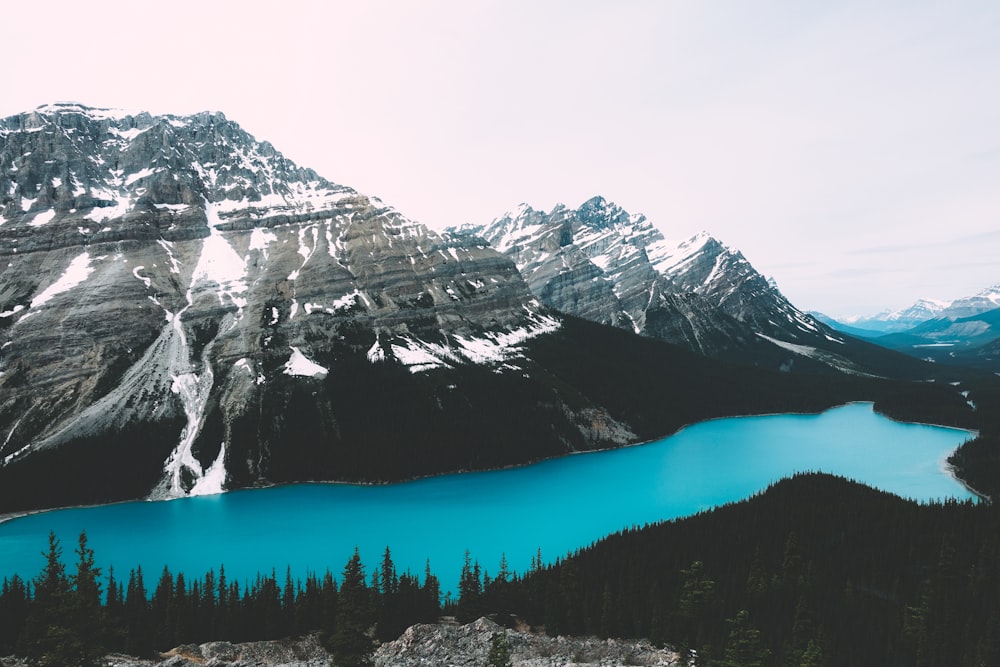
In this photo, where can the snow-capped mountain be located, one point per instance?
(602, 263)
(889, 321)
(174, 270)
(986, 300)
(923, 310)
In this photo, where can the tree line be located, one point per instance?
(72, 618)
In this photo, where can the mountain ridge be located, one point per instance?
(602, 263)
(922, 310)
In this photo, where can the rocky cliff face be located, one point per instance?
(174, 271)
(607, 265)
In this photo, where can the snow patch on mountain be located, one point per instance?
(830, 359)
(302, 366)
(77, 272)
(490, 348)
(213, 482)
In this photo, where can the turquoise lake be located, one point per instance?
(556, 506)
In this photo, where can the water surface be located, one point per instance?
(556, 506)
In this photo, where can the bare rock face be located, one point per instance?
(604, 264)
(469, 645)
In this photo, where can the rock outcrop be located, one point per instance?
(301, 652)
(469, 645)
(441, 645)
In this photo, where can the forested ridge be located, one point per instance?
(814, 571)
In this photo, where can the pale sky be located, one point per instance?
(851, 150)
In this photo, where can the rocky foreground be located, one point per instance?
(444, 644)
(469, 645)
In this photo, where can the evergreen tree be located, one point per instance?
(351, 643)
(696, 596)
(470, 589)
(744, 648)
(86, 614)
(13, 611)
(431, 595)
(499, 655)
(222, 606)
(138, 635)
(48, 639)
(162, 611)
(390, 613)
(390, 580)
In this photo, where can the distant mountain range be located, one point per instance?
(184, 311)
(964, 331)
(892, 321)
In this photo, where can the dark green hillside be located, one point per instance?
(978, 461)
(814, 571)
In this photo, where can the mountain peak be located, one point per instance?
(599, 213)
(156, 268)
(601, 263)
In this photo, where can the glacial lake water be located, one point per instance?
(556, 506)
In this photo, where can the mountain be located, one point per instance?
(604, 264)
(987, 299)
(175, 271)
(838, 325)
(962, 331)
(184, 311)
(890, 321)
(923, 310)
(967, 340)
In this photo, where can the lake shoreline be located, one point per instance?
(947, 468)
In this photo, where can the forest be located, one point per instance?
(813, 571)
(816, 570)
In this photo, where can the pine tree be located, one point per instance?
(390, 614)
(432, 595)
(86, 614)
(390, 581)
(138, 636)
(47, 639)
(13, 611)
(696, 597)
(351, 642)
(470, 590)
(744, 648)
(499, 655)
